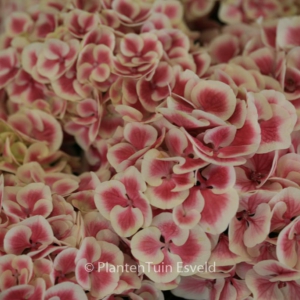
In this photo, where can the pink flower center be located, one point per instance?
(15, 273)
(129, 201)
(256, 177)
(210, 283)
(290, 85)
(281, 284)
(34, 245)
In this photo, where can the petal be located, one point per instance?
(176, 141)
(17, 239)
(277, 270)
(131, 44)
(153, 169)
(65, 261)
(119, 153)
(146, 247)
(104, 282)
(287, 32)
(41, 230)
(64, 187)
(164, 271)
(214, 97)
(259, 226)
(286, 249)
(220, 136)
(126, 220)
(219, 177)
(169, 230)
(192, 287)
(221, 254)
(218, 210)
(82, 275)
(140, 135)
(108, 195)
(66, 291)
(272, 137)
(194, 252)
(29, 195)
(132, 180)
(163, 197)
(89, 250)
(262, 288)
(180, 118)
(223, 48)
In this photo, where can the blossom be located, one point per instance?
(155, 89)
(34, 291)
(100, 282)
(15, 270)
(287, 245)
(139, 55)
(138, 139)
(32, 200)
(9, 64)
(221, 143)
(45, 22)
(256, 171)
(284, 207)
(94, 64)
(286, 33)
(188, 247)
(268, 119)
(141, 141)
(235, 11)
(281, 280)
(18, 23)
(80, 22)
(39, 126)
(31, 235)
(166, 189)
(252, 223)
(24, 88)
(87, 122)
(123, 202)
(57, 57)
(131, 12)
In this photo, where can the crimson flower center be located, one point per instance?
(256, 177)
(281, 284)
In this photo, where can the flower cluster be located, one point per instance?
(141, 141)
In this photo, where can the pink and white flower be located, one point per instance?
(30, 236)
(79, 22)
(15, 270)
(165, 244)
(166, 188)
(252, 223)
(57, 57)
(9, 65)
(32, 200)
(122, 201)
(37, 125)
(138, 56)
(99, 281)
(288, 243)
(94, 64)
(280, 280)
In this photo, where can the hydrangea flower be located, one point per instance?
(141, 140)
